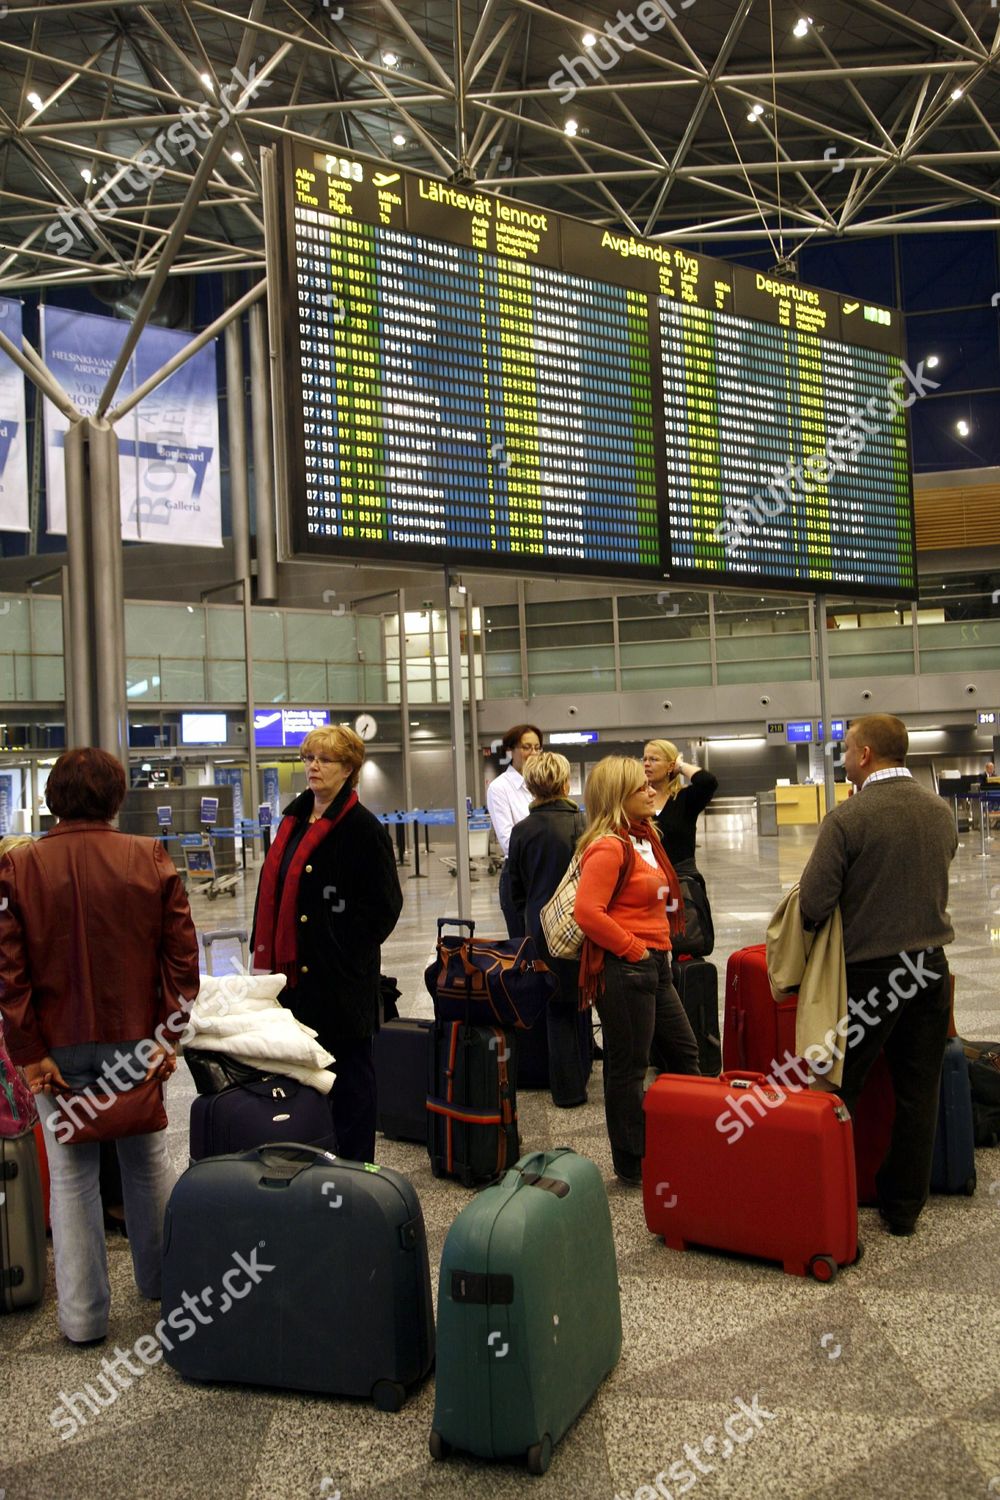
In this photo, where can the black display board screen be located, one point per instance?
(476, 381)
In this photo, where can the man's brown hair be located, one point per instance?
(884, 734)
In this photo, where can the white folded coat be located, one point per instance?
(241, 1015)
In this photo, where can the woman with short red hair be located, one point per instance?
(98, 955)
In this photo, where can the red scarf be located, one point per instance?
(276, 937)
(592, 956)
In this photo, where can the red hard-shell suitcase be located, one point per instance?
(738, 1164)
(758, 1029)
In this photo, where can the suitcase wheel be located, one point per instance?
(969, 1187)
(859, 1253)
(388, 1395)
(823, 1267)
(439, 1446)
(540, 1455)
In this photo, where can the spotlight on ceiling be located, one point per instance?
(957, 93)
(571, 127)
(932, 361)
(398, 139)
(86, 174)
(236, 156)
(962, 427)
(36, 101)
(801, 26)
(206, 80)
(589, 39)
(390, 59)
(755, 113)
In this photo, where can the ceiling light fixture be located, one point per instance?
(390, 59)
(962, 427)
(589, 39)
(755, 113)
(932, 361)
(206, 80)
(36, 101)
(236, 156)
(957, 93)
(801, 26)
(86, 174)
(399, 140)
(571, 127)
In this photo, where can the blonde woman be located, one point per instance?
(627, 903)
(328, 898)
(677, 807)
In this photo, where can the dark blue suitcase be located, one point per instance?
(471, 1102)
(532, 1049)
(251, 1114)
(400, 1055)
(953, 1167)
(315, 1273)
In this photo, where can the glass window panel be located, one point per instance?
(313, 635)
(270, 682)
(376, 688)
(183, 680)
(307, 683)
(171, 625)
(500, 614)
(674, 675)
(594, 681)
(371, 638)
(654, 654)
(7, 677)
(864, 642)
(14, 624)
(501, 640)
(345, 683)
(268, 635)
(567, 610)
(791, 670)
(759, 648)
(46, 625)
(876, 664)
(967, 633)
(503, 687)
(142, 678)
(664, 628)
(225, 633)
(566, 660)
(598, 633)
(227, 682)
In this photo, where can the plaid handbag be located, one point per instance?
(564, 937)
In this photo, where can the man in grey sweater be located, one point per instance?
(883, 857)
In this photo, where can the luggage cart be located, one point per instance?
(481, 856)
(202, 872)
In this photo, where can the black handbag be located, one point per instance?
(214, 1071)
(698, 938)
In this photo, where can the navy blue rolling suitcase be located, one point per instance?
(697, 984)
(251, 1114)
(471, 1102)
(953, 1167)
(315, 1273)
(400, 1053)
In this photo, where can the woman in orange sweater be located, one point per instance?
(627, 902)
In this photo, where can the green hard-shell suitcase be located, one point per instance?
(529, 1316)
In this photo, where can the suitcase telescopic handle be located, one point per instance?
(219, 934)
(456, 922)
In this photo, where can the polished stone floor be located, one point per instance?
(885, 1383)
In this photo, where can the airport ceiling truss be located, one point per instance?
(130, 132)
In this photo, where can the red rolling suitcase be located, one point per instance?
(758, 1030)
(738, 1164)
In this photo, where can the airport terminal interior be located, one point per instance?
(437, 366)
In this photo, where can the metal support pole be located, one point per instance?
(69, 652)
(236, 422)
(97, 595)
(475, 761)
(404, 715)
(263, 456)
(455, 599)
(251, 699)
(823, 662)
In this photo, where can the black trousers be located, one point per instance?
(638, 1003)
(901, 1008)
(511, 915)
(354, 1099)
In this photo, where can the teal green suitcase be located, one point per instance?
(529, 1317)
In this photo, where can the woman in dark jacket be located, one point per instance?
(328, 898)
(98, 966)
(677, 807)
(541, 847)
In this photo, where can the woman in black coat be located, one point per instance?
(328, 898)
(541, 847)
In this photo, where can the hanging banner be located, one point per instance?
(13, 444)
(168, 446)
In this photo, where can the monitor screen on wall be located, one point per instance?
(473, 380)
(203, 729)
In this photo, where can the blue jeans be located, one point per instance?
(82, 1287)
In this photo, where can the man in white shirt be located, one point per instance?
(507, 802)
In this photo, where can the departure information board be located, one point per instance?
(476, 381)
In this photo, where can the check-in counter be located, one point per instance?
(805, 806)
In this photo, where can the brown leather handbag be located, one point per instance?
(100, 1114)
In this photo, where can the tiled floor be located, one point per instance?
(886, 1383)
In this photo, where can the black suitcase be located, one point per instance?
(697, 983)
(22, 1223)
(400, 1053)
(532, 1048)
(252, 1114)
(471, 1102)
(316, 1270)
(953, 1168)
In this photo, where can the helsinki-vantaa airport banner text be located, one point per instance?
(168, 444)
(13, 450)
